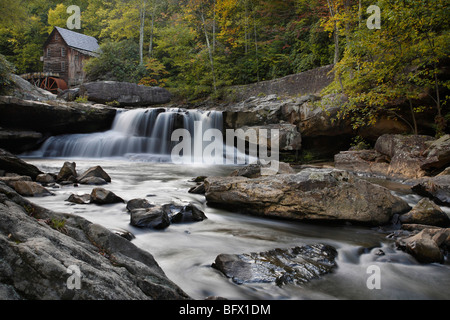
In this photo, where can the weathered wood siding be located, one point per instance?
(62, 59)
(75, 63)
(55, 56)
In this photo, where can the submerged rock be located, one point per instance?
(311, 194)
(79, 199)
(279, 266)
(36, 256)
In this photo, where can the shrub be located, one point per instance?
(6, 68)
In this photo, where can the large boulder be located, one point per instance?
(67, 172)
(312, 194)
(296, 265)
(254, 111)
(426, 212)
(124, 93)
(27, 91)
(10, 180)
(428, 245)
(19, 141)
(102, 196)
(436, 188)
(257, 170)
(54, 117)
(146, 215)
(46, 178)
(30, 189)
(11, 163)
(438, 154)
(289, 139)
(405, 152)
(94, 176)
(370, 161)
(40, 250)
(154, 218)
(179, 213)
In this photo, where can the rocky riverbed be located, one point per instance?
(141, 230)
(266, 257)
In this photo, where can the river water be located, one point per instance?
(186, 251)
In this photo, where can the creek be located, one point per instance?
(135, 153)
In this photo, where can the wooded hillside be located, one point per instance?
(198, 47)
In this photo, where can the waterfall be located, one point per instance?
(139, 134)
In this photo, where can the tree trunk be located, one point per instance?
(413, 116)
(256, 47)
(210, 52)
(141, 33)
(214, 28)
(150, 47)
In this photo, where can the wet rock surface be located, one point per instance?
(79, 199)
(11, 163)
(427, 246)
(312, 194)
(94, 175)
(436, 188)
(38, 246)
(426, 212)
(124, 93)
(146, 215)
(296, 265)
(102, 196)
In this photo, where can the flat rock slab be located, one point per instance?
(296, 265)
(312, 194)
(124, 93)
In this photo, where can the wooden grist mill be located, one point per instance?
(65, 53)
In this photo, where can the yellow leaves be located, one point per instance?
(57, 17)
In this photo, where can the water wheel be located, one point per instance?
(52, 84)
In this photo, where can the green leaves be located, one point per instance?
(383, 70)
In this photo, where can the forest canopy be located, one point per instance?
(197, 47)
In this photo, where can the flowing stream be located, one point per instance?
(186, 251)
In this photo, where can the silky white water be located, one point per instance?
(144, 134)
(186, 251)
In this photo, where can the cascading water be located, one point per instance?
(140, 134)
